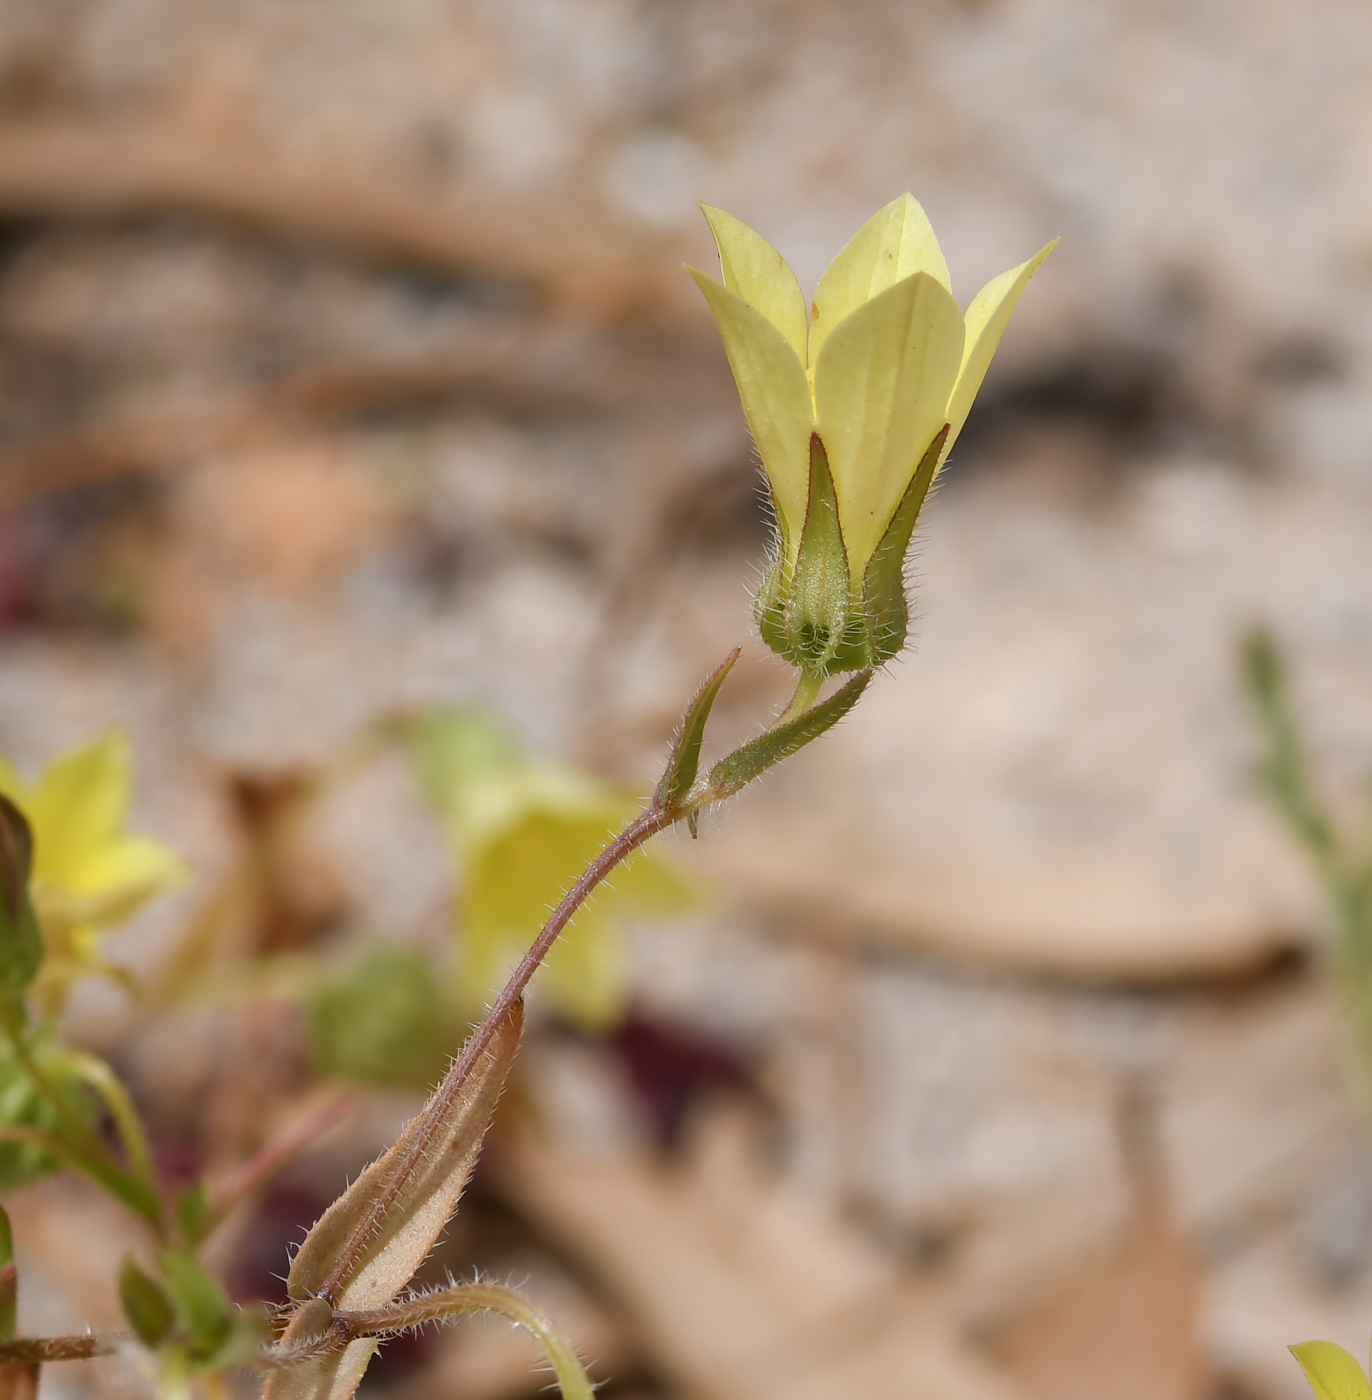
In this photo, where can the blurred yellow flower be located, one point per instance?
(89, 873)
(846, 406)
(524, 829)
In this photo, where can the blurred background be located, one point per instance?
(348, 369)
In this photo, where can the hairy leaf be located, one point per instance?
(374, 1237)
(731, 774)
(146, 1305)
(684, 761)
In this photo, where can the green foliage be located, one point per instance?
(21, 941)
(1333, 1373)
(383, 1021)
(1284, 769)
(146, 1305)
(199, 1304)
(751, 760)
(1341, 857)
(9, 1281)
(193, 1214)
(523, 830)
(683, 763)
(24, 1104)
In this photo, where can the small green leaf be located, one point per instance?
(201, 1307)
(146, 1304)
(23, 1105)
(21, 940)
(736, 771)
(816, 616)
(684, 761)
(1284, 768)
(888, 612)
(769, 607)
(450, 745)
(1333, 1373)
(9, 1281)
(193, 1213)
(383, 1022)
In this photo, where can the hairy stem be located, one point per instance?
(645, 826)
(139, 1197)
(30, 1350)
(806, 693)
(102, 1079)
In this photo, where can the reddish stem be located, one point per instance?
(641, 829)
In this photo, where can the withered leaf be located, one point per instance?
(419, 1193)
(366, 1247)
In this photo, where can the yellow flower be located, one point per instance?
(524, 829)
(854, 409)
(89, 874)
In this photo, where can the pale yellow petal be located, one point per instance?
(78, 805)
(760, 275)
(133, 865)
(987, 318)
(895, 243)
(881, 392)
(776, 399)
(1333, 1373)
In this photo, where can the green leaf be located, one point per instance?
(883, 592)
(816, 616)
(145, 1303)
(736, 771)
(1284, 769)
(769, 607)
(382, 1021)
(684, 760)
(1333, 1373)
(450, 745)
(193, 1213)
(21, 940)
(200, 1305)
(9, 1280)
(23, 1105)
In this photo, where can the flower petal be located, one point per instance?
(987, 318)
(131, 867)
(1332, 1372)
(760, 275)
(78, 806)
(881, 394)
(895, 243)
(776, 400)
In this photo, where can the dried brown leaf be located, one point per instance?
(366, 1247)
(378, 1232)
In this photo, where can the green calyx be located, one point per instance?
(814, 613)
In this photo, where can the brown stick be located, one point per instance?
(27, 1351)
